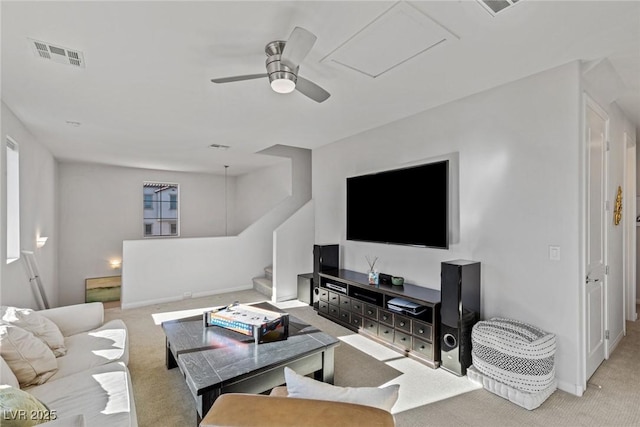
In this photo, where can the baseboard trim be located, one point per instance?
(570, 388)
(222, 291)
(145, 303)
(287, 297)
(615, 342)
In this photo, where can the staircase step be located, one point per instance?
(263, 285)
(268, 272)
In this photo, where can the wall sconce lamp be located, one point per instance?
(40, 241)
(115, 263)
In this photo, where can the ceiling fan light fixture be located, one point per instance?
(282, 78)
(283, 85)
(282, 63)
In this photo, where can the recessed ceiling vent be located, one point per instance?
(58, 54)
(495, 6)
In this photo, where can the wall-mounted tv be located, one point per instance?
(407, 206)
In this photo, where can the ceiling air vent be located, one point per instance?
(58, 54)
(495, 6)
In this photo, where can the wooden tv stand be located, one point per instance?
(347, 298)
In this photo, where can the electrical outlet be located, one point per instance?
(186, 295)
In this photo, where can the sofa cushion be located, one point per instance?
(307, 388)
(30, 359)
(103, 394)
(20, 409)
(106, 344)
(76, 318)
(37, 324)
(7, 377)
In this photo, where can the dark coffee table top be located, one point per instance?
(213, 356)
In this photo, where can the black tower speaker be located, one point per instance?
(459, 311)
(325, 258)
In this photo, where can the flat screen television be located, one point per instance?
(408, 206)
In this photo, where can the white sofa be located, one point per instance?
(92, 384)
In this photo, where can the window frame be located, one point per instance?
(159, 206)
(147, 202)
(12, 169)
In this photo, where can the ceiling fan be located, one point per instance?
(283, 62)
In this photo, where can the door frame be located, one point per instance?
(588, 101)
(629, 207)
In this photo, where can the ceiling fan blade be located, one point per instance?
(311, 90)
(297, 47)
(238, 78)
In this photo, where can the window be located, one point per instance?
(161, 209)
(13, 201)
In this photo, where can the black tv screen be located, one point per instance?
(406, 206)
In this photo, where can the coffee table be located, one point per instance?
(215, 360)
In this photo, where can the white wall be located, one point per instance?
(260, 191)
(164, 269)
(38, 201)
(292, 253)
(299, 180)
(292, 241)
(519, 193)
(100, 206)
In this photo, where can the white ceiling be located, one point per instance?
(145, 98)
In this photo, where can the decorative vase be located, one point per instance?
(373, 274)
(373, 277)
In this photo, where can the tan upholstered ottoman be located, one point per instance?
(245, 410)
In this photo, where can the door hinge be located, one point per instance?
(606, 269)
(608, 146)
(606, 334)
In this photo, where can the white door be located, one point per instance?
(629, 201)
(596, 138)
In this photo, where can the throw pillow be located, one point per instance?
(20, 409)
(30, 359)
(7, 377)
(37, 324)
(307, 388)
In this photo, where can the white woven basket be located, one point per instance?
(514, 353)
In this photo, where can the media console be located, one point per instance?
(347, 298)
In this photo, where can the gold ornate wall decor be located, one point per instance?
(617, 213)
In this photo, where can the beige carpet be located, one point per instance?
(161, 395)
(162, 398)
(611, 399)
